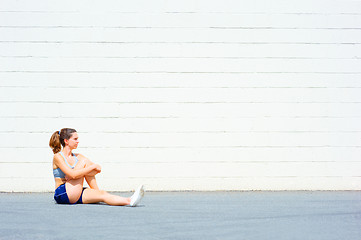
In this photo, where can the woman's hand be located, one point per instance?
(97, 168)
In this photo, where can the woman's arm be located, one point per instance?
(74, 173)
(90, 178)
(88, 163)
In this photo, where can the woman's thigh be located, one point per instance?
(93, 195)
(74, 187)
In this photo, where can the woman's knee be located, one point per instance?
(81, 164)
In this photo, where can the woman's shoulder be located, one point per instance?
(79, 156)
(57, 157)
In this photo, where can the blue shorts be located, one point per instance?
(61, 197)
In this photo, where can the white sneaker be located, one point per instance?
(137, 196)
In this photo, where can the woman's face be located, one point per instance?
(73, 141)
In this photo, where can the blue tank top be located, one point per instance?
(58, 173)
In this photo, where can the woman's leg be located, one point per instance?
(74, 187)
(95, 196)
(90, 179)
(92, 182)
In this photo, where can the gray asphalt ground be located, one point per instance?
(187, 215)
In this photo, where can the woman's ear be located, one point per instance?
(66, 141)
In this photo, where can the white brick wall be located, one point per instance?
(184, 95)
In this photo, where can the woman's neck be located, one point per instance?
(66, 151)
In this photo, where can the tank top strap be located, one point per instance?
(76, 160)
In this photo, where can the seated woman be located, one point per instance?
(71, 169)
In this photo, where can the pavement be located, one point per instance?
(187, 215)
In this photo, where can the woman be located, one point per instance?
(71, 169)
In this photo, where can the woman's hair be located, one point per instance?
(57, 139)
